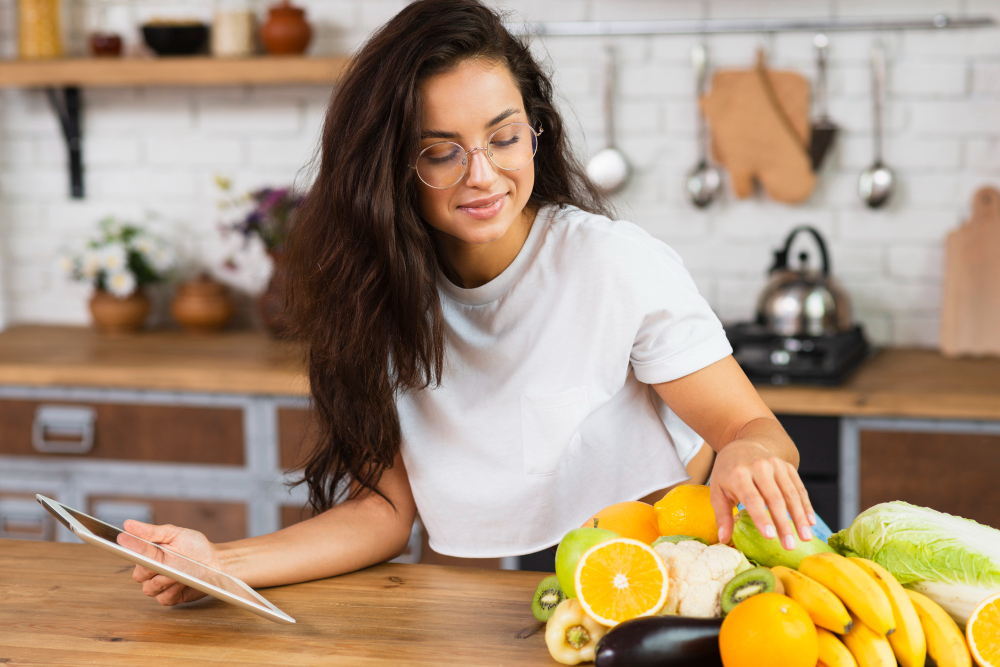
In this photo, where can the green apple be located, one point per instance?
(572, 547)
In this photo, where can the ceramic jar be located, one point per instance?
(114, 316)
(202, 305)
(233, 31)
(286, 31)
(271, 302)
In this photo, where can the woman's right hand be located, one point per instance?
(184, 541)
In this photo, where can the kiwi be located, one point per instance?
(547, 597)
(745, 585)
(678, 538)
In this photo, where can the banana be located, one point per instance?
(832, 651)
(945, 643)
(908, 641)
(869, 648)
(858, 591)
(824, 608)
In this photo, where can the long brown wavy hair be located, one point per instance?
(361, 262)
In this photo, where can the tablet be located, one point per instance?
(163, 561)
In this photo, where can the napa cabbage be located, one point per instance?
(953, 561)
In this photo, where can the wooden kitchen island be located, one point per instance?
(200, 431)
(73, 604)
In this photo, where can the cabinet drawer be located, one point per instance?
(219, 521)
(23, 518)
(134, 432)
(297, 435)
(948, 472)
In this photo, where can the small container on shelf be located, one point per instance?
(102, 40)
(202, 305)
(39, 29)
(233, 30)
(286, 30)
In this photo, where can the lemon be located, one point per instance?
(687, 510)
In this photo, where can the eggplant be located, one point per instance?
(661, 641)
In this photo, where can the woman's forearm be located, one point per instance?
(353, 535)
(769, 434)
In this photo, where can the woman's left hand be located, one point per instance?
(747, 472)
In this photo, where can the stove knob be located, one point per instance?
(780, 357)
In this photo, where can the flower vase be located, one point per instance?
(116, 317)
(271, 302)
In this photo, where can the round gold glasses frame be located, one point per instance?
(465, 155)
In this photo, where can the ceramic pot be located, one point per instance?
(271, 302)
(286, 31)
(114, 316)
(202, 305)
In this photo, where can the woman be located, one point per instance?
(484, 345)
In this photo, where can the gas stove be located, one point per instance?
(768, 358)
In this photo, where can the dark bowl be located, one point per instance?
(176, 40)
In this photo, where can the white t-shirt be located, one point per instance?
(544, 414)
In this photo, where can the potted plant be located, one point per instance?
(120, 262)
(265, 213)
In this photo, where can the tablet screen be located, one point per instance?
(155, 552)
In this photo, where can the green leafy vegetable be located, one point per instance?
(953, 561)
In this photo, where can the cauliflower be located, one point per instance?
(698, 574)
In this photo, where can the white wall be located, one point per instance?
(156, 149)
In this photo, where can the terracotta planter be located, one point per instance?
(114, 316)
(286, 31)
(202, 305)
(271, 303)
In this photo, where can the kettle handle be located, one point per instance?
(781, 256)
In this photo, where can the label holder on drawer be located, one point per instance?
(73, 425)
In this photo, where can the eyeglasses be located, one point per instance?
(509, 148)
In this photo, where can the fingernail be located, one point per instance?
(789, 542)
(769, 532)
(812, 519)
(806, 534)
(720, 536)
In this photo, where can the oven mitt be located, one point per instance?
(760, 130)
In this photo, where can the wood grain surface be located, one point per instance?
(188, 71)
(72, 604)
(970, 307)
(893, 383)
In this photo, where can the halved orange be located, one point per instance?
(621, 579)
(983, 632)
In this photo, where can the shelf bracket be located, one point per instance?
(67, 107)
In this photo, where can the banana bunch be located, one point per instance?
(865, 618)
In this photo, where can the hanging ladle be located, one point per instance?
(608, 168)
(875, 183)
(704, 180)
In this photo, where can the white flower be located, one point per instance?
(67, 266)
(114, 257)
(162, 259)
(144, 244)
(120, 283)
(91, 264)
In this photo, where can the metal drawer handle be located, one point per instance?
(30, 523)
(74, 426)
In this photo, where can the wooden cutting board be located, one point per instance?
(760, 130)
(970, 314)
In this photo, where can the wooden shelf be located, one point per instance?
(176, 71)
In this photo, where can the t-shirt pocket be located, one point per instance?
(548, 424)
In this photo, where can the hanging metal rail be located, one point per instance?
(722, 26)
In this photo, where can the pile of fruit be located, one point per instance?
(642, 585)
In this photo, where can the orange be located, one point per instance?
(687, 510)
(621, 579)
(629, 519)
(983, 632)
(766, 630)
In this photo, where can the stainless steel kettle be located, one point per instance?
(803, 301)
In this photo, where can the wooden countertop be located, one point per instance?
(240, 362)
(72, 604)
(893, 383)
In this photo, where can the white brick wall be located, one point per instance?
(155, 150)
